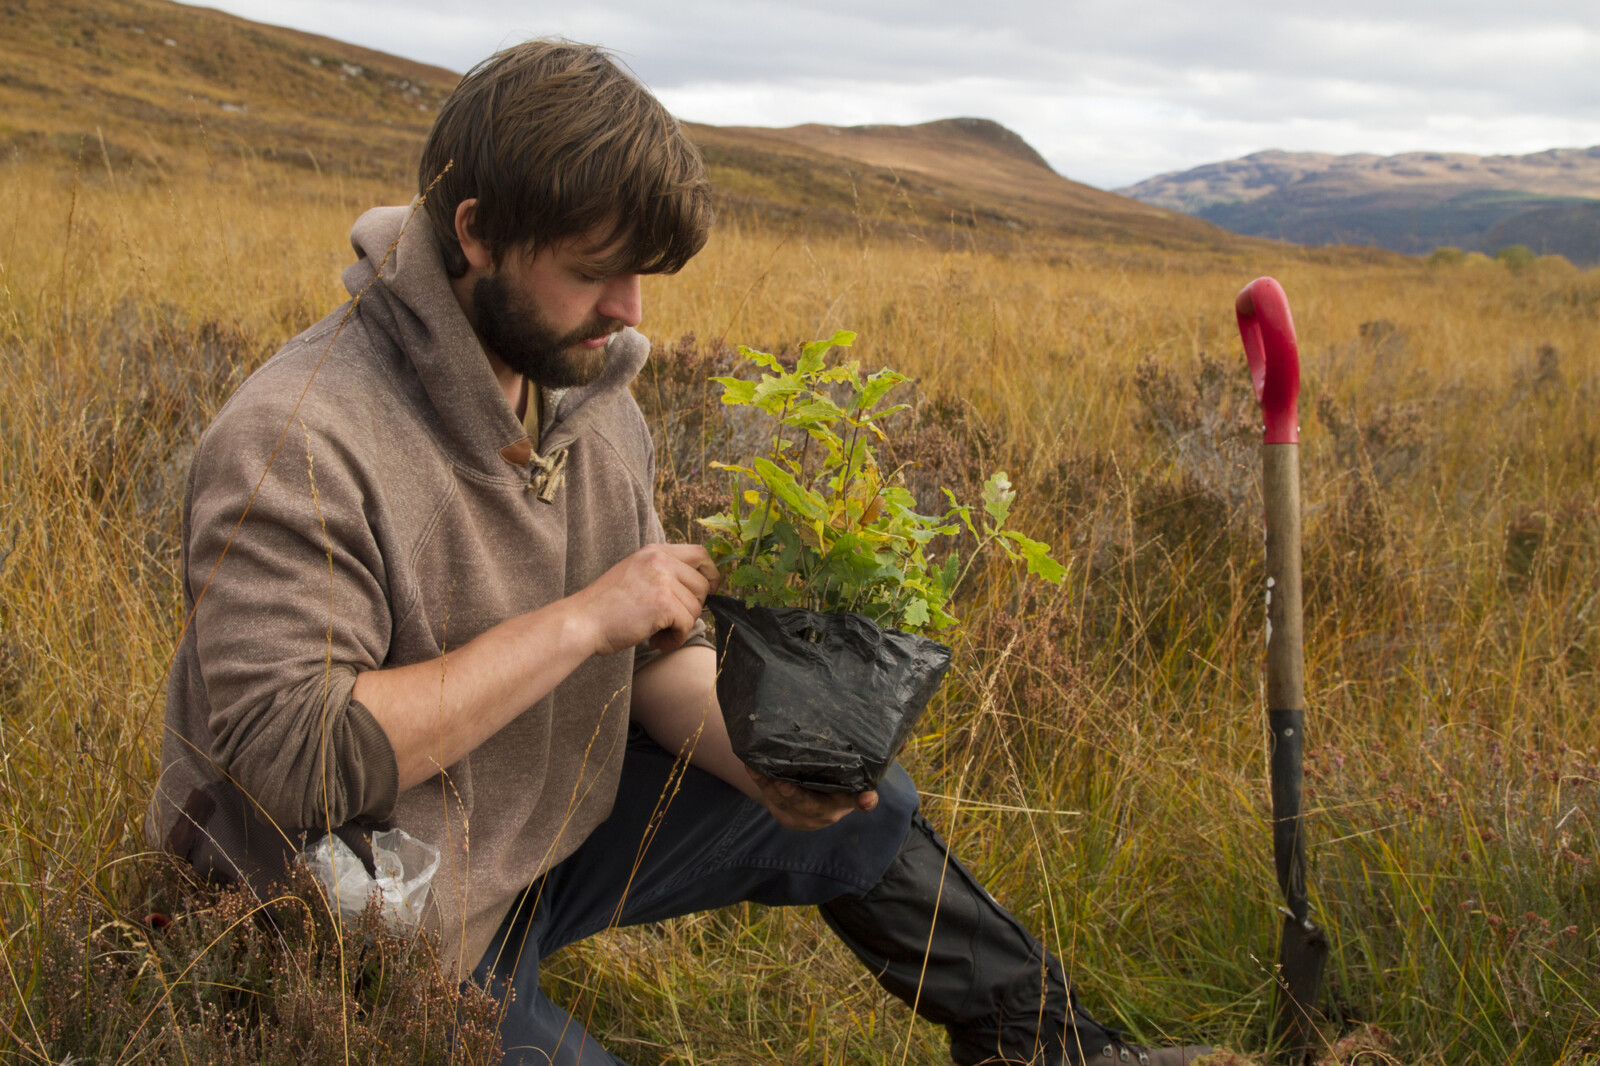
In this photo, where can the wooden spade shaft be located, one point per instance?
(1280, 490)
(1302, 946)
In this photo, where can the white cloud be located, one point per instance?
(1108, 92)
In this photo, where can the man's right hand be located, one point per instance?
(655, 594)
(433, 716)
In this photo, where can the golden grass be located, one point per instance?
(1098, 755)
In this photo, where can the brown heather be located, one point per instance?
(1097, 754)
(219, 977)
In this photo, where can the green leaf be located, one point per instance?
(943, 619)
(814, 412)
(997, 496)
(898, 496)
(853, 560)
(793, 495)
(1038, 557)
(773, 392)
(915, 614)
(812, 355)
(961, 511)
(877, 385)
(736, 391)
(760, 358)
(811, 358)
(758, 523)
(748, 576)
(876, 416)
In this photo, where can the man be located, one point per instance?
(429, 590)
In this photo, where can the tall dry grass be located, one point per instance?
(1098, 755)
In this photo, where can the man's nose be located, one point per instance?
(623, 300)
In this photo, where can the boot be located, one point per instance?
(1118, 1053)
(981, 975)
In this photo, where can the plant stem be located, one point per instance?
(847, 475)
(976, 551)
(777, 436)
(804, 449)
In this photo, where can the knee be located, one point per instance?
(897, 796)
(881, 834)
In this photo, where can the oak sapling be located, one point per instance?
(823, 668)
(816, 523)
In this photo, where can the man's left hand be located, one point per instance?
(797, 807)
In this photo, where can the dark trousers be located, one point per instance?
(680, 840)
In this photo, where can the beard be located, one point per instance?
(523, 341)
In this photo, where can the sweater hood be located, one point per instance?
(399, 284)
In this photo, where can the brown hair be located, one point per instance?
(555, 141)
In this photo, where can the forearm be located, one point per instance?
(675, 702)
(436, 712)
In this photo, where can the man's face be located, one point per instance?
(548, 316)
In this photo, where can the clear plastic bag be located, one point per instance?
(405, 867)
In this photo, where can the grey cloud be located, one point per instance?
(1109, 91)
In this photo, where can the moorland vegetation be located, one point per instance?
(1098, 750)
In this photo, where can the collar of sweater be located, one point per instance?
(399, 284)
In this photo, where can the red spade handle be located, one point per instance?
(1268, 333)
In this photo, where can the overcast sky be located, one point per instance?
(1109, 92)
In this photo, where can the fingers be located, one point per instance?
(687, 566)
(694, 556)
(798, 807)
(695, 577)
(678, 610)
(655, 594)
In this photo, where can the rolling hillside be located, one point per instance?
(145, 77)
(1415, 202)
(955, 174)
(153, 86)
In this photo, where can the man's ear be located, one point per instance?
(478, 254)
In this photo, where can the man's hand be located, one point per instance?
(655, 594)
(796, 807)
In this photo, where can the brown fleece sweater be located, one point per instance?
(369, 499)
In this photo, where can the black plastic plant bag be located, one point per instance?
(823, 700)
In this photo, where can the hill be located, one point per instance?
(962, 174)
(154, 86)
(1415, 202)
(145, 77)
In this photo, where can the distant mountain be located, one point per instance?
(1548, 201)
(940, 180)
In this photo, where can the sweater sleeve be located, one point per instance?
(290, 604)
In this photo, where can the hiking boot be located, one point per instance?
(1116, 1053)
(932, 936)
